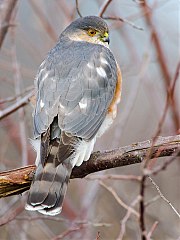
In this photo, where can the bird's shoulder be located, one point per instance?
(72, 51)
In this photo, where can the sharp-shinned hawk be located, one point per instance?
(78, 88)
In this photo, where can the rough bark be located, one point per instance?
(17, 181)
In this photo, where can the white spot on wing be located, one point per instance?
(103, 60)
(101, 72)
(41, 104)
(61, 106)
(83, 104)
(44, 76)
(62, 109)
(90, 65)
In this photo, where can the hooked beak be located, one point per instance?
(105, 38)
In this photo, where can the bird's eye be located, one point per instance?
(92, 32)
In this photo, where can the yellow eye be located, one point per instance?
(92, 32)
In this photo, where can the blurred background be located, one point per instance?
(146, 45)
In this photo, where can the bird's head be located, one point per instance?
(90, 29)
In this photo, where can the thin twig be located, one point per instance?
(104, 8)
(161, 121)
(126, 217)
(114, 177)
(14, 107)
(5, 21)
(162, 60)
(64, 8)
(152, 230)
(142, 209)
(77, 8)
(169, 99)
(11, 99)
(163, 197)
(12, 214)
(43, 217)
(145, 170)
(98, 236)
(43, 19)
(152, 200)
(21, 114)
(64, 220)
(120, 202)
(70, 230)
(10, 126)
(123, 21)
(163, 166)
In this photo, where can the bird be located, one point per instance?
(78, 87)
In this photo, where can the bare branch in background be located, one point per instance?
(65, 9)
(98, 236)
(11, 214)
(18, 180)
(170, 98)
(114, 177)
(161, 59)
(164, 198)
(77, 8)
(126, 217)
(10, 126)
(70, 230)
(170, 94)
(159, 168)
(142, 209)
(44, 21)
(6, 9)
(104, 7)
(149, 235)
(14, 107)
(103, 10)
(123, 20)
(119, 201)
(11, 99)
(18, 82)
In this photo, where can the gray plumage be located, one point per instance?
(68, 81)
(74, 91)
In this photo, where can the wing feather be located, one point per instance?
(78, 90)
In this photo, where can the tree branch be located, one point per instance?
(15, 106)
(77, 9)
(7, 9)
(44, 20)
(123, 20)
(161, 59)
(17, 181)
(104, 7)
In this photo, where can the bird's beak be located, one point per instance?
(106, 37)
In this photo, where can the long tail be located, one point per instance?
(52, 175)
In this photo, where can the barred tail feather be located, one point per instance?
(47, 192)
(58, 155)
(50, 182)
